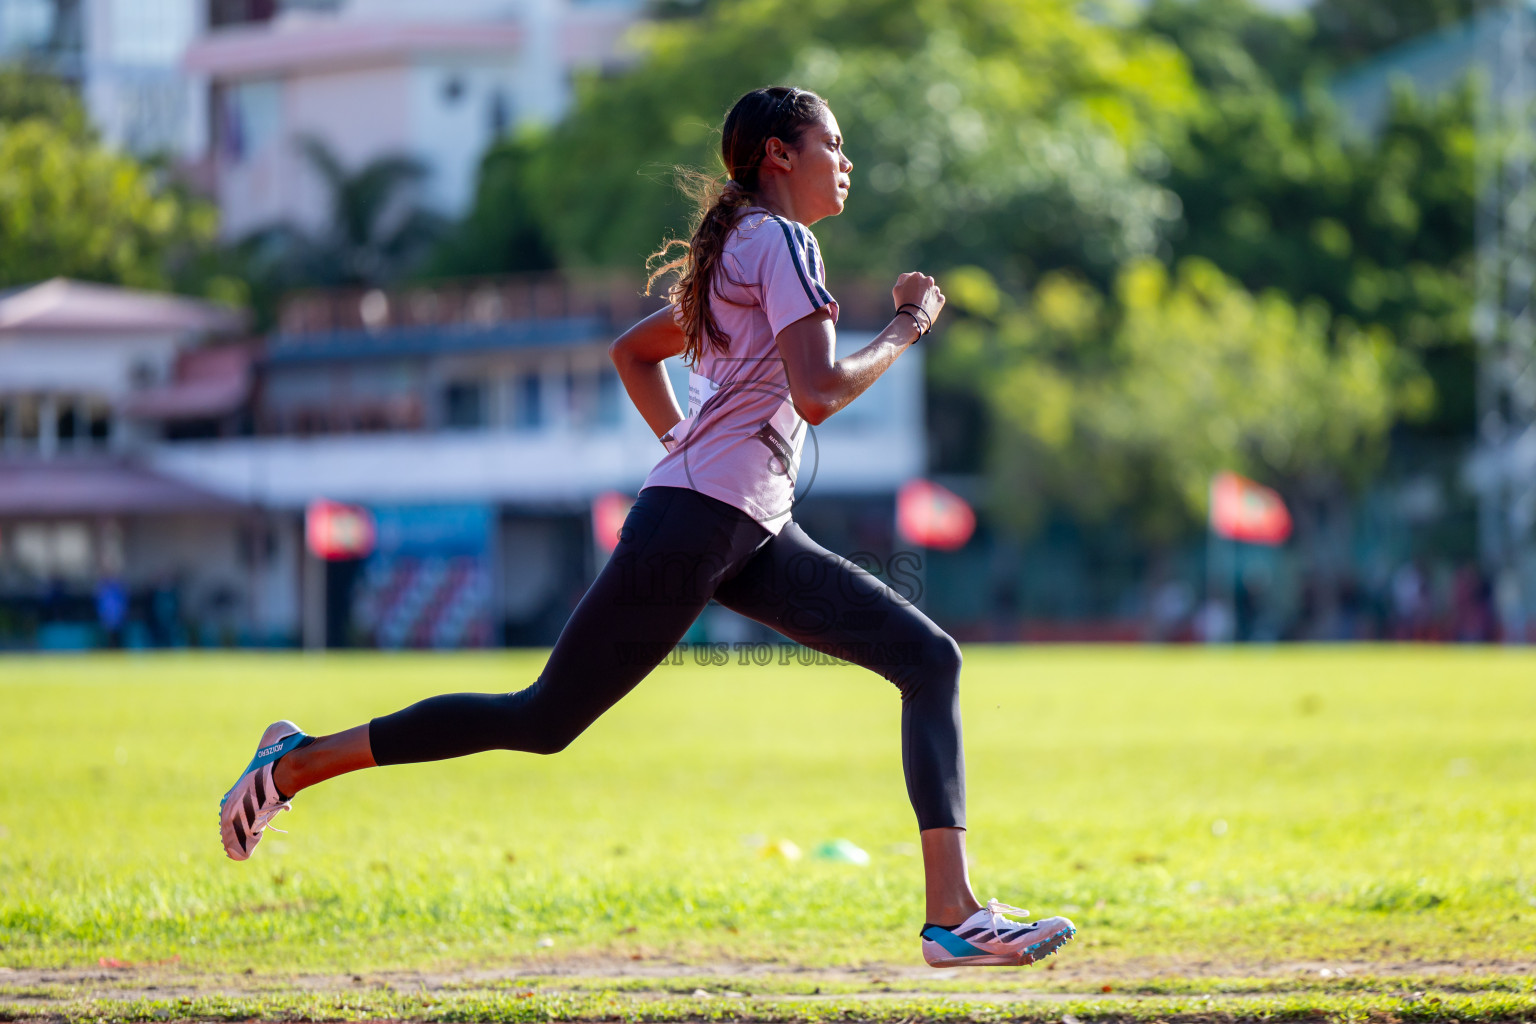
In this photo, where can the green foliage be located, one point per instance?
(1231, 40)
(1008, 134)
(1137, 402)
(1279, 193)
(74, 208)
(1365, 802)
(504, 234)
(1016, 157)
(1379, 228)
(26, 94)
(70, 207)
(1236, 43)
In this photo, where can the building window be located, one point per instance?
(51, 551)
(68, 423)
(25, 25)
(240, 12)
(610, 405)
(593, 398)
(578, 398)
(98, 422)
(78, 421)
(499, 114)
(527, 401)
(20, 420)
(251, 119)
(464, 406)
(150, 32)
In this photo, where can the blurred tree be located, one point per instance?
(504, 234)
(1278, 192)
(1018, 135)
(375, 234)
(1134, 402)
(69, 207)
(25, 94)
(1237, 41)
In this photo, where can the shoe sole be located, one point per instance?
(1039, 951)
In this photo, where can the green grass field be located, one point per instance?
(1199, 813)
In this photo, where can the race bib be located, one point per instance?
(782, 433)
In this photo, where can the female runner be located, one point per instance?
(751, 314)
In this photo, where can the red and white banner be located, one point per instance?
(1246, 511)
(336, 532)
(933, 517)
(609, 511)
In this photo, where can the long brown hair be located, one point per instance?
(762, 114)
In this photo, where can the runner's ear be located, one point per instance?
(776, 155)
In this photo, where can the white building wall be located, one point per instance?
(367, 94)
(132, 83)
(451, 119)
(444, 10)
(229, 575)
(200, 556)
(270, 181)
(100, 365)
(542, 89)
(274, 579)
(359, 113)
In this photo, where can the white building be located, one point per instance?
(438, 81)
(125, 57)
(89, 376)
(228, 86)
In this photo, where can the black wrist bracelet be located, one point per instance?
(915, 322)
(920, 311)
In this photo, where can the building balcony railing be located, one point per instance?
(484, 301)
(616, 299)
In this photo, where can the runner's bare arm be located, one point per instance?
(819, 383)
(638, 354)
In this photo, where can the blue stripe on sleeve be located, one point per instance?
(794, 254)
(813, 260)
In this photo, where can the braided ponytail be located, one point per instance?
(763, 114)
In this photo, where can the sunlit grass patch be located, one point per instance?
(1244, 805)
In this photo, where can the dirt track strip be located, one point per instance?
(1065, 979)
(756, 994)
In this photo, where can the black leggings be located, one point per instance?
(677, 550)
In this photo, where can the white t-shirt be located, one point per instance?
(742, 440)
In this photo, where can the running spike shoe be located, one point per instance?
(248, 808)
(988, 938)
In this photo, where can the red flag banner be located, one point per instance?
(1246, 511)
(335, 531)
(609, 510)
(933, 517)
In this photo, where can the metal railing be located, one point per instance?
(476, 301)
(617, 299)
